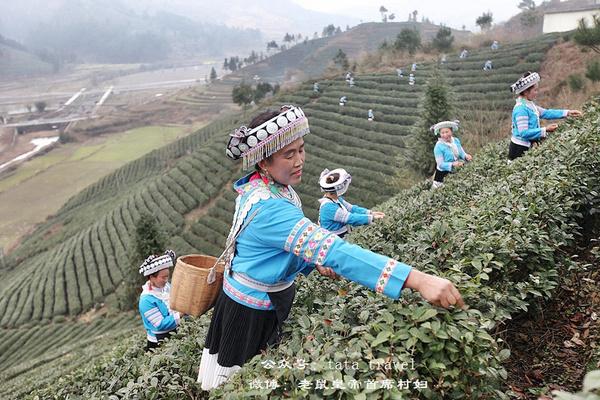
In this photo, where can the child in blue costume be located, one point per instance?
(336, 214)
(448, 152)
(526, 116)
(159, 321)
(271, 242)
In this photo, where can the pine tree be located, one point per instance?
(341, 60)
(149, 239)
(213, 74)
(436, 107)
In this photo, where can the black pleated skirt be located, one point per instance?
(238, 333)
(516, 150)
(440, 175)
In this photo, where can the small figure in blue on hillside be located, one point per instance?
(159, 320)
(336, 214)
(400, 73)
(413, 68)
(348, 76)
(526, 116)
(411, 79)
(370, 115)
(495, 45)
(488, 65)
(343, 101)
(449, 153)
(464, 54)
(316, 87)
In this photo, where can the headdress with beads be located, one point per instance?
(255, 144)
(156, 263)
(525, 82)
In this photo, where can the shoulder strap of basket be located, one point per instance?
(212, 275)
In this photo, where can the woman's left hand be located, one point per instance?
(468, 157)
(574, 113)
(327, 271)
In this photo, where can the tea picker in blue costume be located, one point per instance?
(271, 242)
(526, 116)
(336, 214)
(448, 151)
(159, 321)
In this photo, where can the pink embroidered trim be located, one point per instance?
(290, 239)
(305, 233)
(386, 273)
(325, 249)
(265, 304)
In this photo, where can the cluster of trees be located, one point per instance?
(244, 94)
(331, 30)
(485, 21)
(529, 16)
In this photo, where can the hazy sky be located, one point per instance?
(453, 13)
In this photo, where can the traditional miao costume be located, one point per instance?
(269, 244)
(159, 320)
(526, 118)
(446, 153)
(337, 216)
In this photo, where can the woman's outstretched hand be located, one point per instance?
(328, 272)
(574, 113)
(377, 214)
(438, 291)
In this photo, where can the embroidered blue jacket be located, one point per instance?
(335, 216)
(445, 154)
(526, 121)
(280, 243)
(154, 309)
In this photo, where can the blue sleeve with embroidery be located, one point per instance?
(155, 314)
(521, 121)
(354, 208)
(440, 160)
(552, 114)
(294, 233)
(333, 212)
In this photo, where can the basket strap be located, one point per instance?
(212, 274)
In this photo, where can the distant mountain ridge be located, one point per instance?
(111, 31)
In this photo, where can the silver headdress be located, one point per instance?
(256, 144)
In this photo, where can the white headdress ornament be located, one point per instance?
(341, 184)
(525, 83)
(445, 124)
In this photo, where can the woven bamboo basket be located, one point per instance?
(191, 294)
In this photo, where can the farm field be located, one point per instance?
(65, 171)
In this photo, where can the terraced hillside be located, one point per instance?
(76, 258)
(36, 356)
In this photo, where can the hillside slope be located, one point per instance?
(502, 231)
(77, 258)
(311, 58)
